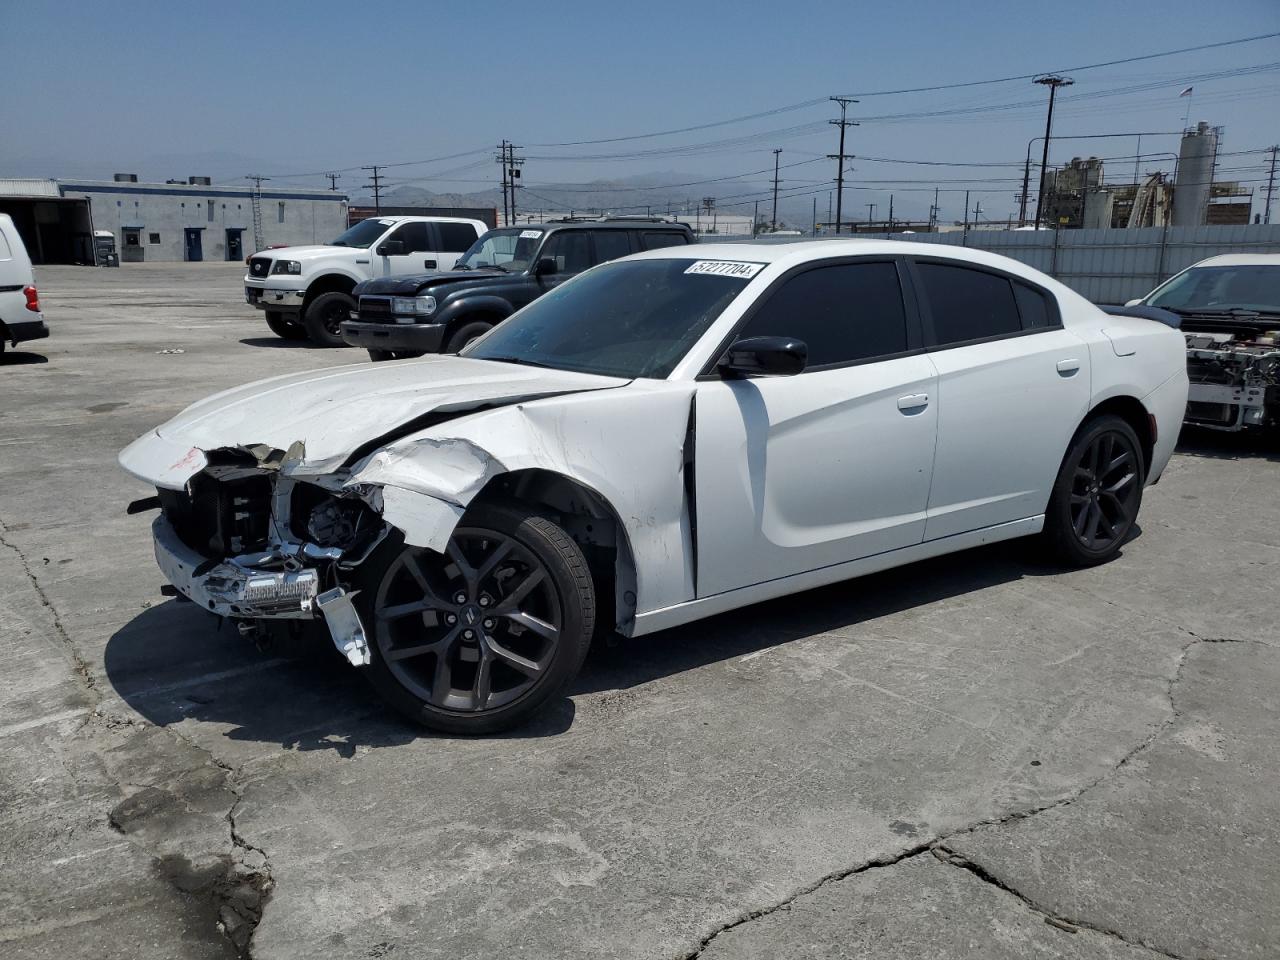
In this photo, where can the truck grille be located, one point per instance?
(375, 309)
(259, 266)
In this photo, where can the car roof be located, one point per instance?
(1241, 260)
(601, 225)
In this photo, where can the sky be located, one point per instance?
(295, 89)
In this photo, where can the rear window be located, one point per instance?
(968, 304)
(456, 237)
(656, 240)
(1034, 307)
(5, 252)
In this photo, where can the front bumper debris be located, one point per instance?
(240, 588)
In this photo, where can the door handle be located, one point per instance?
(429, 264)
(913, 403)
(1068, 368)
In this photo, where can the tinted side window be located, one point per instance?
(611, 244)
(570, 249)
(657, 240)
(846, 312)
(456, 237)
(416, 237)
(1034, 307)
(968, 304)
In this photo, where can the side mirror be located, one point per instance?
(392, 248)
(765, 356)
(545, 267)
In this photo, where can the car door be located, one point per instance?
(570, 250)
(801, 472)
(417, 254)
(1013, 384)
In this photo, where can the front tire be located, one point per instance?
(1097, 494)
(323, 318)
(285, 329)
(465, 334)
(477, 640)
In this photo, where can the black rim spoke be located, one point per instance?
(1103, 489)
(471, 630)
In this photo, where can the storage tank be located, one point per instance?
(1195, 173)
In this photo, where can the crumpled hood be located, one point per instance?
(330, 413)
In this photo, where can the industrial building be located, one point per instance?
(1076, 194)
(190, 219)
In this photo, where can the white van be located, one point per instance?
(20, 317)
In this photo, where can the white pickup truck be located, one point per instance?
(306, 291)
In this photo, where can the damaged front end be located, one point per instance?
(244, 540)
(1234, 369)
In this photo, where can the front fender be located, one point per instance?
(625, 444)
(480, 303)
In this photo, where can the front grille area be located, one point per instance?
(1199, 411)
(259, 266)
(221, 517)
(375, 309)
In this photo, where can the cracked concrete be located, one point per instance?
(986, 758)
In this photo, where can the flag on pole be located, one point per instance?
(1186, 92)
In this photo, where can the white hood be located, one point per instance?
(311, 252)
(321, 416)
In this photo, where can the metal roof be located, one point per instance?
(28, 187)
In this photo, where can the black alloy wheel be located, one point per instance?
(323, 318)
(476, 639)
(1097, 494)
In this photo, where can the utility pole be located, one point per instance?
(773, 222)
(755, 218)
(709, 204)
(513, 174)
(814, 228)
(333, 180)
(966, 213)
(840, 157)
(871, 210)
(933, 211)
(891, 213)
(1053, 82)
(502, 161)
(1271, 183)
(375, 183)
(255, 204)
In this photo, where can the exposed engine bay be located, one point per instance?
(1234, 371)
(288, 546)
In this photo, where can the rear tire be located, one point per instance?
(1096, 497)
(465, 334)
(323, 318)
(285, 329)
(512, 579)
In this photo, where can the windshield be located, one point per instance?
(634, 318)
(511, 249)
(363, 233)
(1220, 289)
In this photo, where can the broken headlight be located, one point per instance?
(328, 521)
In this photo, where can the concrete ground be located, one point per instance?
(979, 757)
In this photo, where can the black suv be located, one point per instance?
(441, 312)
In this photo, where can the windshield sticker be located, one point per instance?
(530, 234)
(726, 268)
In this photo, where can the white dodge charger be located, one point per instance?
(662, 438)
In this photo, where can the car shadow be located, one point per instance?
(1255, 443)
(278, 343)
(19, 358)
(172, 663)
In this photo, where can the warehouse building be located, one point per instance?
(192, 219)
